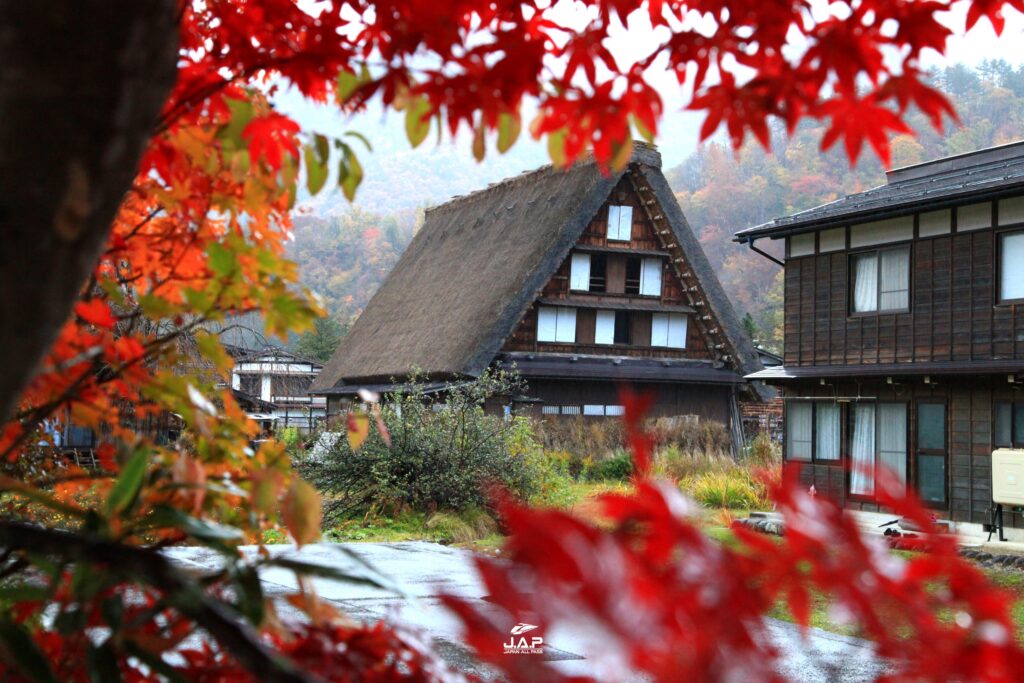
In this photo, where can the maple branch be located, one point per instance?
(157, 571)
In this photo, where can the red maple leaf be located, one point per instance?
(856, 118)
(267, 135)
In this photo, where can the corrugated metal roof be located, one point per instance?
(985, 174)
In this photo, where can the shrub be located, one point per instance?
(735, 488)
(619, 467)
(674, 463)
(763, 452)
(583, 439)
(470, 525)
(690, 436)
(443, 456)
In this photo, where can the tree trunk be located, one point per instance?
(81, 86)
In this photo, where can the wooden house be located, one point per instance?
(277, 382)
(580, 280)
(904, 332)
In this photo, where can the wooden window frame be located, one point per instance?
(944, 452)
(873, 498)
(814, 459)
(907, 245)
(1013, 424)
(997, 250)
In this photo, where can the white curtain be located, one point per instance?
(798, 431)
(865, 278)
(895, 284)
(826, 432)
(892, 438)
(1011, 266)
(862, 473)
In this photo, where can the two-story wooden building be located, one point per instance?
(579, 279)
(904, 331)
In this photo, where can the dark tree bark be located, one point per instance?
(81, 87)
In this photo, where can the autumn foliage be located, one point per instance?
(200, 236)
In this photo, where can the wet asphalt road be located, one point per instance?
(425, 570)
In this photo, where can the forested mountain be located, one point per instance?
(346, 255)
(722, 192)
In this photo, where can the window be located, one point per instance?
(593, 410)
(812, 431)
(623, 328)
(650, 277)
(669, 329)
(604, 328)
(931, 452)
(249, 384)
(620, 223)
(598, 273)
(556, 324)
(1009, 427)
(1011, 270)
(879, 440)
(881, 280)
(549, 410)
(634, 273)
(579, 274)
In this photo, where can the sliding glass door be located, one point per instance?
(878, 439)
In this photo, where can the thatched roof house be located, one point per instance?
(489, 274)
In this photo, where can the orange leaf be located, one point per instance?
(302, 512)
(357, 425)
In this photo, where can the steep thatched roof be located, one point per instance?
(479, 261)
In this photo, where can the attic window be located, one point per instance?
(620, 223)
(556, 324)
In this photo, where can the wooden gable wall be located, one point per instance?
(644, 243)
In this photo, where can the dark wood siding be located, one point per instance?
(953, 314)
(708, 401)
(969, 439)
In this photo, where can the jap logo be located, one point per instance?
(519, 644)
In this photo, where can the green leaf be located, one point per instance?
(128, 484)
(479, 148)
(220, 259)
(556, 147)
(316, 170)
(230, 135)
(164, 516)
(362, 138)
(250, 594)
(155, 307)
(351, 174)
(417, 121)
(24, 653)
(349, 82)
(102, 663)
(361, 575)
(642, 130)
(509, 127)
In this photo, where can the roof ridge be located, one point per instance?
(642, 151)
